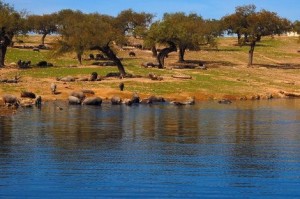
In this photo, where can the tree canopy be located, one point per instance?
(254, 25)
(81, 32)
(296, 26)
(43, 24)
(177, 30)
(131, 22)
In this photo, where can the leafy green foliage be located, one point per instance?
(42, 24)
(133, 23)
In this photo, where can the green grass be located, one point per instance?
(223, 79)
(14, 55)
(64, 71)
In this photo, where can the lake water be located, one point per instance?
(242, 150)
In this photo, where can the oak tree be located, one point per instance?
(176, 30)
(80, 32)
(253, 25)
(43, 24)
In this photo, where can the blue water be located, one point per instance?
(242, 150)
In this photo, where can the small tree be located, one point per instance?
(43, 24)
(254, 25)
(81, 32)
(11, 23)
(264, 23)
(72, 25)
(212, 28)
(103, 40)
(177, 31)
(296, 26)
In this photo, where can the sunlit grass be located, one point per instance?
(223, 75)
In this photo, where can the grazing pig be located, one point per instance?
(53, 88)
(27, 94)
(154, 99)
(132, 54)
(92, 57)
(96, 101)
(224, 101)
(121, 86)
(38, 101)
(79, 94)
(135, 98)
(10, 100)
(116, 100)
(74, 100)
(93, 76)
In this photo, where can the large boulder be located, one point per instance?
(95, 101)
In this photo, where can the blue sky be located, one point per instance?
(206, 8)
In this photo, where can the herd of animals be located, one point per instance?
(81, 98)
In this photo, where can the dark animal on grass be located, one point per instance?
(94, 76)
(121, 86)
(99, 57)
(27, 94)
(92, 57)
(38, 101)
(132, 54)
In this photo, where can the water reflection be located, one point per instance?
(158, 151)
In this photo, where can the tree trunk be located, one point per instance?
(251, 52)
(258, 38)
(5, 40)
(154, 51)
(43, 38)
(239, 37)
(2, 56)
(79, 58)
(112, 56)
(164, 52)
(246, 37)
(181, 53)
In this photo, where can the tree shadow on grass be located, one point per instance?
(211, 64)
(286, 66)
(223, 50)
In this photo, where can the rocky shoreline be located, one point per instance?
(10, 103)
